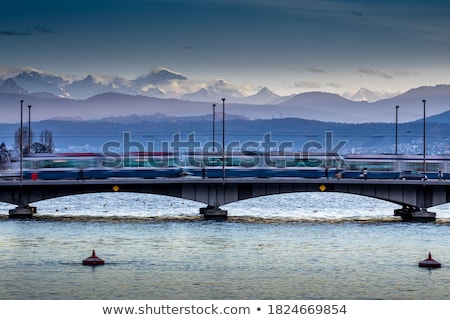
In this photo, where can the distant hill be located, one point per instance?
(439, 118)
(332, 107)
(320, 106)
(159, 129)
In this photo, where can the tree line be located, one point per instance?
(45, 144)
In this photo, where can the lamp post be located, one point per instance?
(21, 141)
(424, 137)
(29, 129)
(223, 138)
(214, 127)
(396, 128)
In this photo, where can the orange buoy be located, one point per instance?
(429, 262)
(93, 260)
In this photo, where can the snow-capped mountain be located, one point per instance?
(10, 86)
(159, 83)
(158, 76)
(35, 82)
(215, 92)
(91, 86)
(265, 96)
(151, 84)
(367, 95)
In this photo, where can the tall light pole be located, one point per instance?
(29, 129)
(223, 138)
(214, 127)
(21, 141)
(396, 128)
(424, 137)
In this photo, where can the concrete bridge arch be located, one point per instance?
(413, 196)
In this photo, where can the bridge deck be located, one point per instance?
(221, 181)
(216, 191)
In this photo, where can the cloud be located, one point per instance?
(37, 29)
(315, 70)
(356, 13)
(308, 84)
(8, 71)
(188, 47)
(386, 75)
(42, 29)
(14, 33)
(402, 73)
(375, 73)
(335, 85)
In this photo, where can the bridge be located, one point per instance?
(414, 197)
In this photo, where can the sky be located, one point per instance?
(289, 46)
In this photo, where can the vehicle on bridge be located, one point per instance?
(253, 164)
(412, 175)
(261, 165)
(388, 166)
(147, 165)
(97, 166)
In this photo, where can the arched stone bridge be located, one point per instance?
(414, 196)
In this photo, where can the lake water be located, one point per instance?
(291, 246)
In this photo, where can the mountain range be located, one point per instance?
(158, 83)
(169, 93)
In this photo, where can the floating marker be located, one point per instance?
(429, 262)
(93, 260)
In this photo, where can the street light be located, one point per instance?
(223, 138)
(424, 137)
(396, 128)
(21, 141)
(214, 127)
(29, 129)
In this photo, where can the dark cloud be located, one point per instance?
(402, 73)
(36, 29)
(315, 70)
(357, 13)
(189, 47)
(386, 75)
(375, 73)
(14, 33)
(308, 84)
(335, 85)
(42, 29)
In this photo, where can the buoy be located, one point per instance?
(429, 262)
(93, 260)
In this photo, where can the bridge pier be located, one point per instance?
(411, 213)
(214, 213)
(22, 212)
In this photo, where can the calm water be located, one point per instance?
(293, 246)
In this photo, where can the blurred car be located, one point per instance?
(412, 175)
